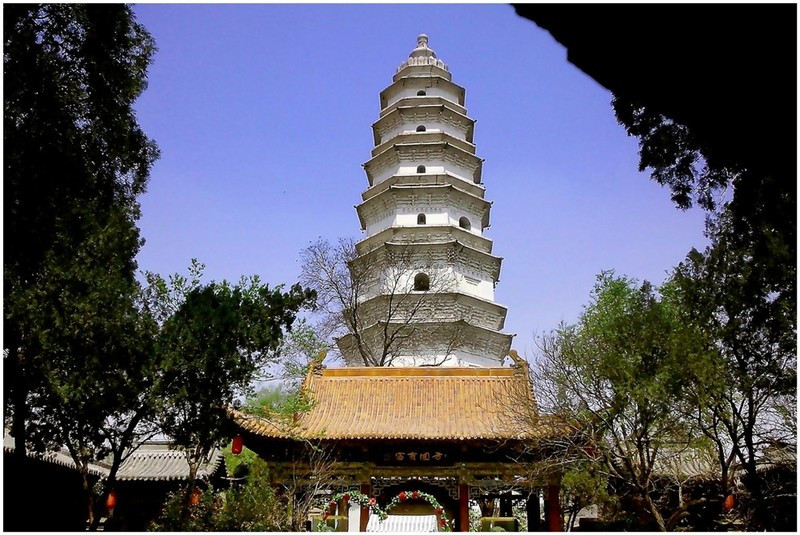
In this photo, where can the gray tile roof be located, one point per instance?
(60, 458)
(152, 461)
(164, 464)
(688, 463)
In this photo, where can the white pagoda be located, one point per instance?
(425, 269)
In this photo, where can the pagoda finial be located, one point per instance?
(422, 55)
(422, 50)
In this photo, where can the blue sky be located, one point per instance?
(263, 116)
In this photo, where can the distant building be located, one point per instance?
(50, 496)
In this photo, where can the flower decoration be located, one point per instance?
(442, 520)
(372, 504)
(353, 496)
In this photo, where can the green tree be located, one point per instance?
(614, 380)
(740, 293)
(762, 209)
(213, 341)
(75, 162)
(745, 309)
(249, 506)
(302, 347)
(583, 484)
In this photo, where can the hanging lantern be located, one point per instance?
(729, 502)
(236, 447)
(111, 500)
(196, 495)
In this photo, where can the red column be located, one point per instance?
(554, 520)
(463, 507)
(366, 490)
(344, 510)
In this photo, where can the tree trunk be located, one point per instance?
(19, 383)
(682, 513)
(117, 453)
(760, 516)
(651, 507)
(573, 513)
(187, 497)
(92, 518)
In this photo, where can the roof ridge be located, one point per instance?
(417, 371)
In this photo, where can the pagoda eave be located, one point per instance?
(424, 234)
(425, 100)
(425, 180)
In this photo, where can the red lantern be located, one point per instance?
(729, 502)
(196, 495)
(236, 447)
(111, 500)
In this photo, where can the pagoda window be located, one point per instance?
(420, 169)
(421, 93)
(464, 223)
(422, 283)
(421, 219)
(421, 128)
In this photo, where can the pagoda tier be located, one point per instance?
(420, 84)
(447, 265)
(433, 307)
(426, 153)
(404, 205)
(427, 294)
(431, 343)
(437, 115)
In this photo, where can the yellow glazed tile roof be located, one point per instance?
(423, 403)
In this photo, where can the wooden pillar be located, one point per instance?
(533, 511)
(343, 511)
(366, 490)
(463, 507)
(505, 505)
(554, 520)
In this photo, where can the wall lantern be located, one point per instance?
(111, 500)
(236, 447)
